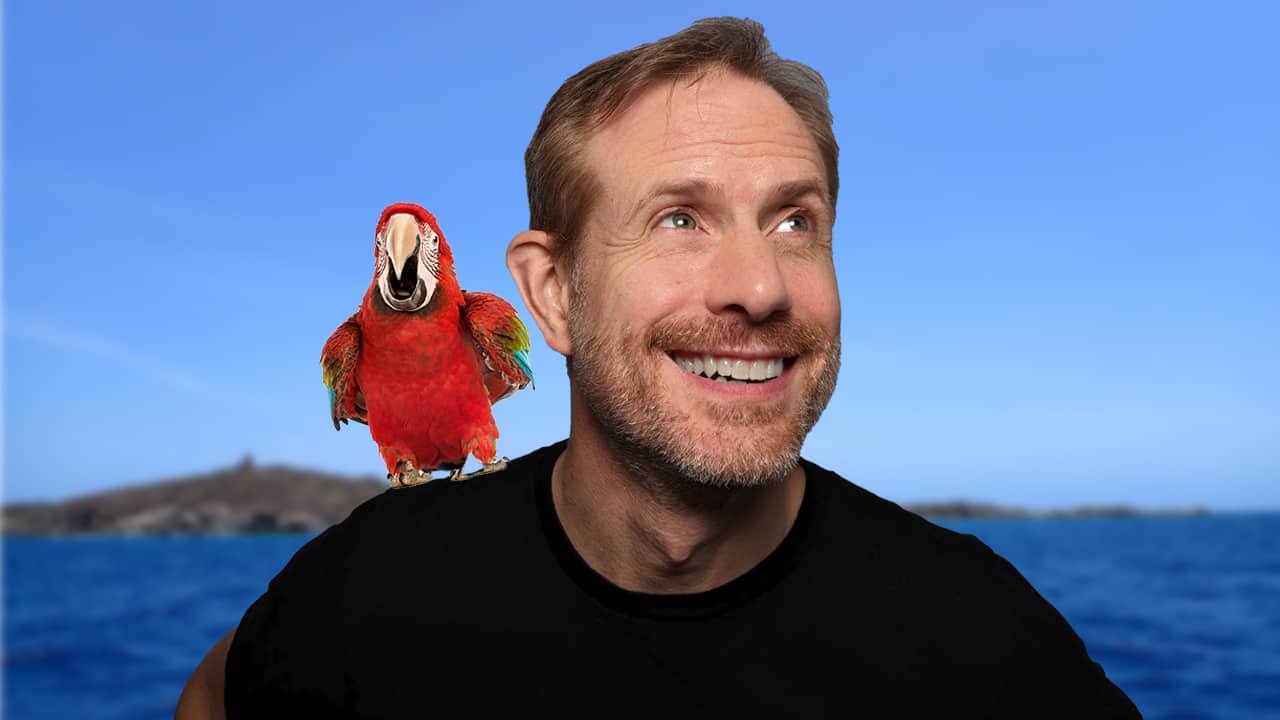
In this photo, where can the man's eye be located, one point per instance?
(795, 223)
(679, 221)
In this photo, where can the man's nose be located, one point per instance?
(744, 277)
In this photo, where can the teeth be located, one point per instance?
(732, 369)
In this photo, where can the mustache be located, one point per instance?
(784, 334)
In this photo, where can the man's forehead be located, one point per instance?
(719, 106)
(672, 134)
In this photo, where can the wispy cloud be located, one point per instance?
(124, 196)
(21, 326)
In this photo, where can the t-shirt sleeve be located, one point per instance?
(286, 659)
(1050, 672)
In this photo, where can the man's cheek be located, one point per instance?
(666, 286)
(814, 293)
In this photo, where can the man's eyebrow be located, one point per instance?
(680, 188)
(796, 189)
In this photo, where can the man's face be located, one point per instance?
(709, 247)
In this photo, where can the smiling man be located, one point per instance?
(674, 555)
(699, 310)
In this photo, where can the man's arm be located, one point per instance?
(202, 698)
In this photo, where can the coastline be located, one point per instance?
(247, 499)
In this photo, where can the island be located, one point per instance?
(249, 498)
(244, 498)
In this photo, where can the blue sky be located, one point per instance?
(1058, 240)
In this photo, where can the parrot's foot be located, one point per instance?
(408, 477)
(492, 467)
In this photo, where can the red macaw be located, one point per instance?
(422, 361)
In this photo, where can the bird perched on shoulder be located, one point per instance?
(422, 361)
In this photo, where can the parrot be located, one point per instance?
(422, 361)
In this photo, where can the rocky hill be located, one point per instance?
(965, 510)
(244, 498)
(249, 498)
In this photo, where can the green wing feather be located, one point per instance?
(338, 370)
(503, 343)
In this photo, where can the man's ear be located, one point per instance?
(543, 286)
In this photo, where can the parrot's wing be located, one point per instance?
(503, 343)
(338, 368)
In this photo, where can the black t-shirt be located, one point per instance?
(459, 599)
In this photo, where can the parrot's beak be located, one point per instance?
(402, 254)
(402, 286)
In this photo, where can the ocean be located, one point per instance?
(1184, 613)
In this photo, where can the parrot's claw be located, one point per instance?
(408, 477)
(495, 466)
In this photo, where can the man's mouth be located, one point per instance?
(739, 371)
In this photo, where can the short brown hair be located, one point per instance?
(562, 189)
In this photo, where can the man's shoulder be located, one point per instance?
(867, 517)
(916, 561)
(494, 491)
(420, 515)
(953, 600)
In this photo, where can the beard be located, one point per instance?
(731, 445)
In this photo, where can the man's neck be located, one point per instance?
(667, 535)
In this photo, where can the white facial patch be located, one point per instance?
(408, 263)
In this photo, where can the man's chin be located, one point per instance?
(747, 457)
(733, 473)
(664, 430)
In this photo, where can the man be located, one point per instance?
(674, 556)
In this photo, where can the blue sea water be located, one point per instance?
(1184, 613)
